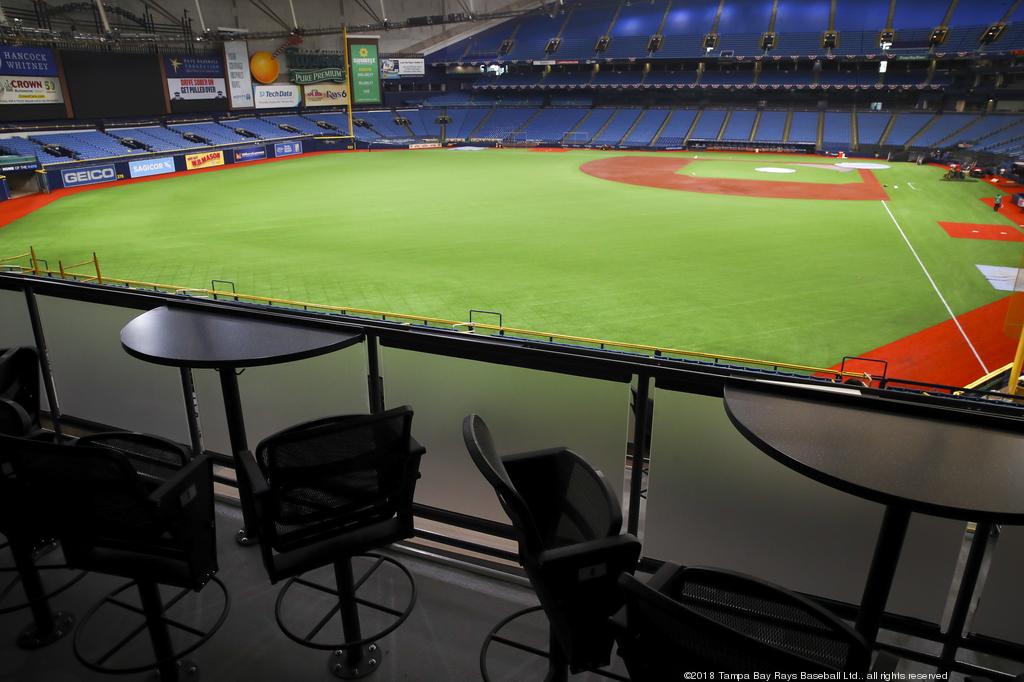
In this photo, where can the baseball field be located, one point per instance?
(799, 259)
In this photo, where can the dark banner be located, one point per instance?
(107, 84)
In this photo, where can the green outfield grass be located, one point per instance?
(529, 234)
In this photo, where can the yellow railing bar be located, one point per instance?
(990, 376)
(18, 257)
(78, 265)
(453, 324)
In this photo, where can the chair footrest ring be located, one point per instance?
(399, 615)
(99, 663)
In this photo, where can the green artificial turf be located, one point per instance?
(529, 234)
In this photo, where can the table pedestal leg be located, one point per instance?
(964, 595)
(883, 569)
(248, 535)
(195, 432)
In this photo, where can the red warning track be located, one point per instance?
(940, 355)
(650, 171)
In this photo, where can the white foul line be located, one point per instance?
(935, 286)
(912, 186)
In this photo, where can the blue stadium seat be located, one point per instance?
(617, 127)
(589, 126)
(87, 144)
(503, 123)
(20, 146)
(803, 127)
(212, 132)
(676, 128)
(838, 132)
(943, 127)
(740, 125)
(905, 127)
(157, 138)
(551, 125)
(870, 126)
(646, 128)
(301, 123)
(709, 125)
(771, 127)
(259, 127)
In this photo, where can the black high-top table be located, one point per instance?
(193, 338)
(938, 462)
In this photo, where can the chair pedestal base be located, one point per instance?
(34, 637)
(366, 661)
(188, 671)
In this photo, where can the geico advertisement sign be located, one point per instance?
(206, 160)
(74, 177)
(276, 96)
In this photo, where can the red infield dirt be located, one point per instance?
(940, 355)
(650, 171)
(999, 233)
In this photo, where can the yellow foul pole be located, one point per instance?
(348, 81)
(1018, 362)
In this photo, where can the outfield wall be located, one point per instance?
(102, 171)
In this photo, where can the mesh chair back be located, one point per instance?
(554, 498)
(337, 474)
(715, 620)
(106, 516)
(93, 494)
(569, 500)
(154, 459)
(19, 390)
(480, 445)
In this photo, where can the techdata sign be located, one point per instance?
(191, 78)
(287, 148)
(76, 177)
(236, 59)
(27, 61)
(250, 154)
(147, 167)
(277, 96)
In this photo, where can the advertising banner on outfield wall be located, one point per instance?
(76, 177)
(277, 96)
(30, 90)
(287, 148)
(402, 68)
(365, 72)
(145, 167)
(250, 154)
(195, 77)
(325, 95)
(236, 59)
(204, 160)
